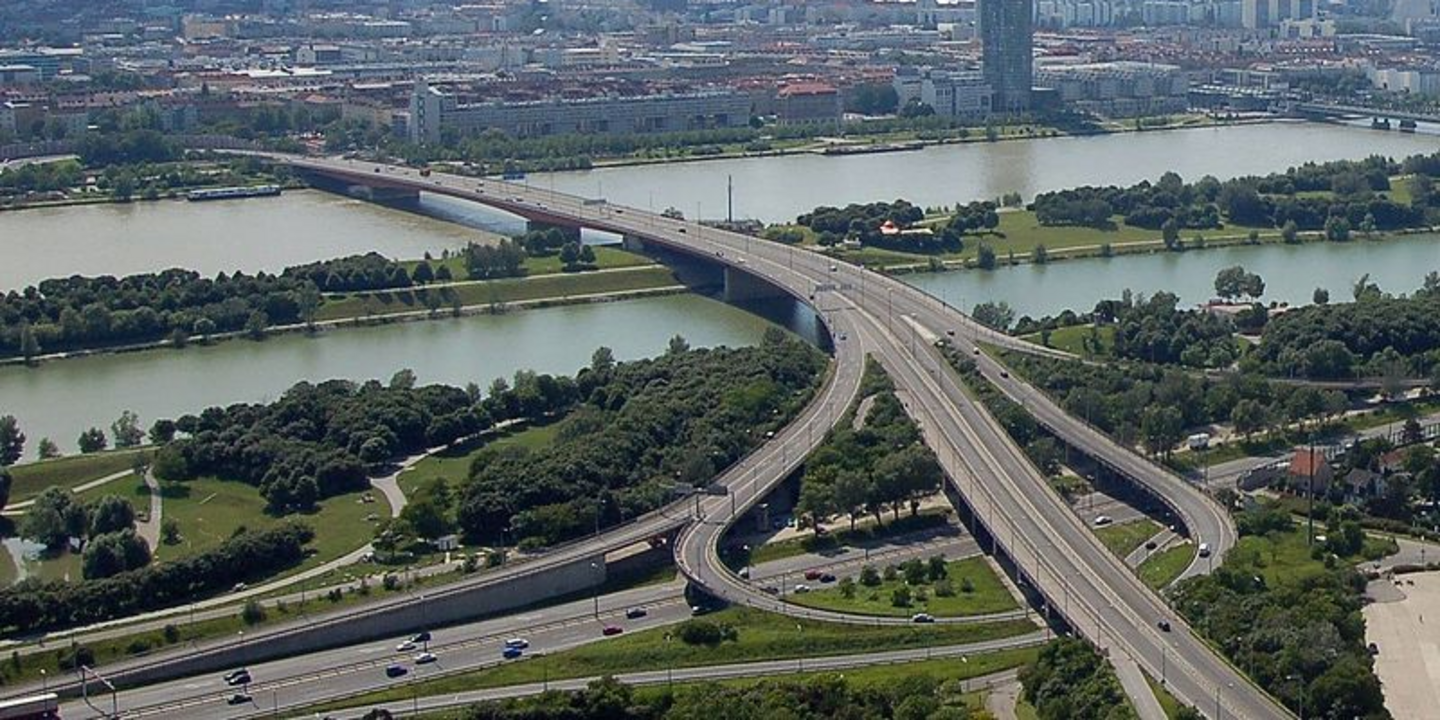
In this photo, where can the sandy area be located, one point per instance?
(1405, 624)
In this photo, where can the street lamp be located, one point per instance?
(596, 595)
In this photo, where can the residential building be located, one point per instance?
(1118, 89)
(1007, 53)
(952, 93)
(1310, 472)
(808, 103)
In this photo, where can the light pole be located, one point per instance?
(596, 595)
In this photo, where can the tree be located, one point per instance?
(162, 431)
(1337, 229)
(678, 346)
(587, 255)
(1321, 296)
(1040, 255)
(48, 449)
(12, 441)
(602, 360)
(1161, 427)
(110, 513)
(126, 430)
(256, 325)
(1290, 233)
(5, 483)
(908, 475)
(1170, 233)
(422, 273)
(997, 315)
(92, 440)
(29, 345)
(570, 255)
(985, 257)
(53, 518)
(849, 493)
(114, 553)
(1249, 417)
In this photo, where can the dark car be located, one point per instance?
(238, 699)
(1163, 625)
(510, 653)
(1150, 545)
(827, 578)
(238, 677)
(612, 630)
(395, 671)
(636, 613)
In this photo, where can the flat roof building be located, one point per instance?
(1007, 47)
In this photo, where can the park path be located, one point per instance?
(150, 528)
(20, 507)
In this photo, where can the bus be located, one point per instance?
(33, 707)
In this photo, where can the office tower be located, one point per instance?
(1006, 36)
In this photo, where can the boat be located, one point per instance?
(231, 193)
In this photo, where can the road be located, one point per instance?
(333, 674)
(1100, 597)
(1228, 474)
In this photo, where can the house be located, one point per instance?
(1361, 484)
(1310, 471)
(446, 543)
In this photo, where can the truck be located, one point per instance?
(31, 707)
(1198, 441)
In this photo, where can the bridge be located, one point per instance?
(1078, 581)
(875, 315)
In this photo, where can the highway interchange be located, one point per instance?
(871, 314)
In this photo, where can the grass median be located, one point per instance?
(1161, 569)
(970, 587)
(761, 636)
(1123, 538)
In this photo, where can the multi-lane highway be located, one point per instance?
(867, 314)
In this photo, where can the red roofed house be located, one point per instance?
(1309, 469)
(807, 103)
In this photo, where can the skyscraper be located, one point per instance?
(1006, 36)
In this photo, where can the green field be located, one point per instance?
(496, 292)
(1161, 569)
(1072, 339)
(453, 463)
(988, 596)
(762, 636)
(1123, 538)
(210, 510)
(1285, 557)
(31, 479)
(606, 258)
(866, 531)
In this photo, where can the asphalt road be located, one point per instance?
(306, 680)
(1109, 603)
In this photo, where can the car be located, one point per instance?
(239, 587)
(812, 574)
(922, 618)
(422, 637)
(827, 578)
(950, 332)
(425, 658)
(770, 590)
(1102, 520)
(1163, 625)
(744, 573)
(517, 643)
(395, 671)
(611, 630)
(238, 699)
(1204, 550)
(510, 653)
(406, 646)
(801, 589)
(833, 267)
(1373, 649)
(1150, 545)
(975, 351)
(682, 232)
(636, 613)
(1005, 374)
(238, 677)
(699, 610)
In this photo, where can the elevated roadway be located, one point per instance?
(1054, 551)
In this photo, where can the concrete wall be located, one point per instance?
(741, 285)
(423, 613)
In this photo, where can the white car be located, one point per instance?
(802, 589)
(1102, 521)
(406, 646)
(425, 658)
(517, 643)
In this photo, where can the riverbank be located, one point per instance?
(178, 193)
(375, 320)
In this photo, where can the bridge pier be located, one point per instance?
(633, 244)
(741, 286)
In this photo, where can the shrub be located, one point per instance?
(901, 597)
(869, 577)
(253, 613)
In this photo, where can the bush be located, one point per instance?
(171, 634)
(943, 588)
(700, 632)
(901, 597)
(966, 586)
(869, 577)
(253, 613)
(891, 574)
(73, 657)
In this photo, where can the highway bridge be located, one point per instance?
(871, 314)
(867, 313)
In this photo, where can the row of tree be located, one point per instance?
(35, 605)
(864, 471)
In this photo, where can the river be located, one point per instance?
(60, 399)
(776, 189)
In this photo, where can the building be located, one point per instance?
(808, 103)
(1262, 14)
(1309, 469)
(19, 74)
(1007, 39)
(47, 61)
(952, 93)
(1118, 89)
(434, 112)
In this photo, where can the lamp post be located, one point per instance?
(596, 595)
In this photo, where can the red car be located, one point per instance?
(612, 630)
(812, 574)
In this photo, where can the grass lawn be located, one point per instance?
(606, 257)
(1285, 557)
(865, 531)
(32, 478)
(453, 464)
(1024, 710)
(210, 510)
(1072, 339)
(1161, 569)
(762, 636)
(989, 595)
(499, 291)
(1123, 538)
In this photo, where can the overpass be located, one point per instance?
(1055, 552)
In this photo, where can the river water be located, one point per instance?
(60, 399)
